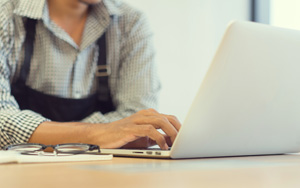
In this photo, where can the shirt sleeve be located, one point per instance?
(138, 83)
(16, 126)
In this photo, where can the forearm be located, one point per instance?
(52, 133)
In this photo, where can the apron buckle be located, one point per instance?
(103, 70)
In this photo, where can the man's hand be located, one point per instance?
(139, 130)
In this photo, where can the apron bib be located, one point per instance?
(57, 108)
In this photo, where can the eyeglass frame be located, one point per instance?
(55, 151)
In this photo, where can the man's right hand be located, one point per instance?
(139, 130)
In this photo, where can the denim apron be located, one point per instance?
(57, 108)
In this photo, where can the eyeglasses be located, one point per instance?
(72, 148)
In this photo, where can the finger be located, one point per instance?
(174, 121)
(159, 122)
(168, 139)
(149, 131)
(148, 112)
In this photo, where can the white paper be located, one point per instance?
(8, 157)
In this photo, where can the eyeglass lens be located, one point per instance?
(71, 148)
(27, 148)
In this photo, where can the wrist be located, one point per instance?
(97, 134)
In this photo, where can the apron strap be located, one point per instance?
(103, 72)
(30, 28)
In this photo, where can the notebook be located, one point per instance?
(15, 157)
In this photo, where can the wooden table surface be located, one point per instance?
(243, 172)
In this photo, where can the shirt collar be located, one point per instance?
(34, 8)
(112, 7)
(30, 8)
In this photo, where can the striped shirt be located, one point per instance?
(61, 68)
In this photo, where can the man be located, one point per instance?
(52, 90)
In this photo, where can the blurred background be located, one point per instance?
(188, 32)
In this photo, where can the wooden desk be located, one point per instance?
(241, 172)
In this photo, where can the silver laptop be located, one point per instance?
(248, 102)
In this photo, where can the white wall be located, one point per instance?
(187, 33)
(285, 13)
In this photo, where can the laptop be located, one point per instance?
(248, 102)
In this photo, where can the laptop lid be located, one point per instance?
(248, 102)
